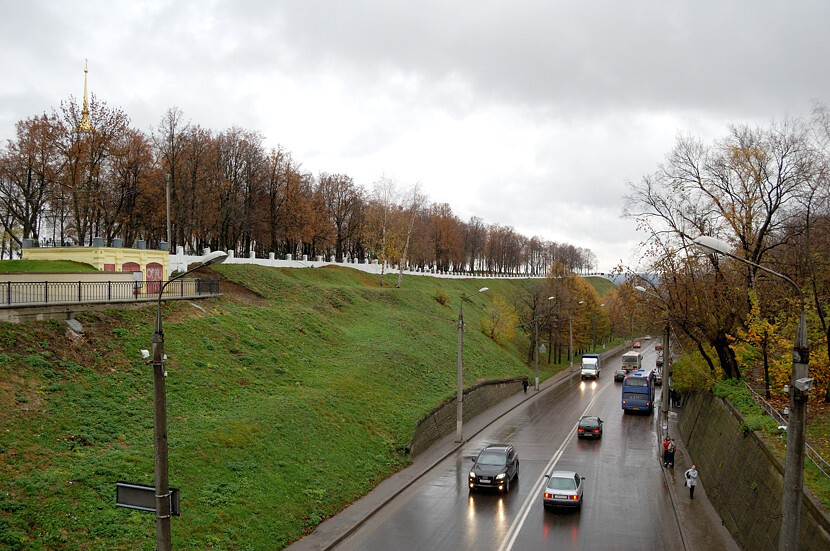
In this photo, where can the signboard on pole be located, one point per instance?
(143, 498)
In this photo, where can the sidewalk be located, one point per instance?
(700, 526)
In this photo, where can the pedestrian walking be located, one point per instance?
(691, 480)
(670, 449)
(525, 383)
(666, 441)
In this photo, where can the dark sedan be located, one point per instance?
(619, 375)
(495, 467)
(589, 427)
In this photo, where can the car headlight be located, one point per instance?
(472, 474)
(500, 476)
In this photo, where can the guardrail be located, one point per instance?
(34, 293)
(810, 452)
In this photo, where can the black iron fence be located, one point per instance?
(30, 293)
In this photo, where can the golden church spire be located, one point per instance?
(85, 125)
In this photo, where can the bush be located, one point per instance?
(441, 297)
(691, 372)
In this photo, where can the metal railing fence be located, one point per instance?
(32, 293)
(810, 452)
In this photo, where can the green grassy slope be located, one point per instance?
(282, 408)
(43, 266)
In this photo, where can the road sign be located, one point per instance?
(143, 498)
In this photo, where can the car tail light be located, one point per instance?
(573, 497)
(596, 431)
(580, 430)
(548, 495)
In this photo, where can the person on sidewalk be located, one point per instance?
(670, 449)
(691, 480)
(666, 441)
(525, 384)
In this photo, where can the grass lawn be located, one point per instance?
(43, 266)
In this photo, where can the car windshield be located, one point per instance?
(636, 381)
(492, 458)
(562, 483)
(589, 424)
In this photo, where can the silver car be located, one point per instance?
(563, 489)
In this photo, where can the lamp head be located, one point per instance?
(216, 257)
(710, 245)
(483, 289)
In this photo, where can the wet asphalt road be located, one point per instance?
(626, 505)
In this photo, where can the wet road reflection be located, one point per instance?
(626, 505)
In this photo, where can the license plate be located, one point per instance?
(559, 496)
(485, 481)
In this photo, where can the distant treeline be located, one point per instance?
(62, 183)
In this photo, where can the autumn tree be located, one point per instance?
(500, 320)
(129, 172)
(170, 141)
(342, 199)
(381, 219)
(741, 189)
(86, 153)
(30, 169)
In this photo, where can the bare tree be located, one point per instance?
(414, 203)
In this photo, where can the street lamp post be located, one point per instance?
(664, 403)
(571, 339)
(460, 399)
(536, 345)
(571, 342)
(594, 330)
(167, 186)
(163, 541)
(793, 490)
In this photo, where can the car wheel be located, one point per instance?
(517, 470)
(507, 486)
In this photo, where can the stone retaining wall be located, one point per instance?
(743, 479)
(443, 419)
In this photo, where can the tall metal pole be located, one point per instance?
(793, 492)
(664, 406)
(536, 348)
(163, 537)
(594, 332)
(571, 342)
(163, 541)
(459, 399)
(167, 181)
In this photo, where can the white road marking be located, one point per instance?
(532, 497)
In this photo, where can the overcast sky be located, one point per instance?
(530, 114)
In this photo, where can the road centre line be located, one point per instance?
(515, 528)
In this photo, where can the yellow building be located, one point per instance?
(153, 264)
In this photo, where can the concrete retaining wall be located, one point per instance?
(443, 419)
(743, 479)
